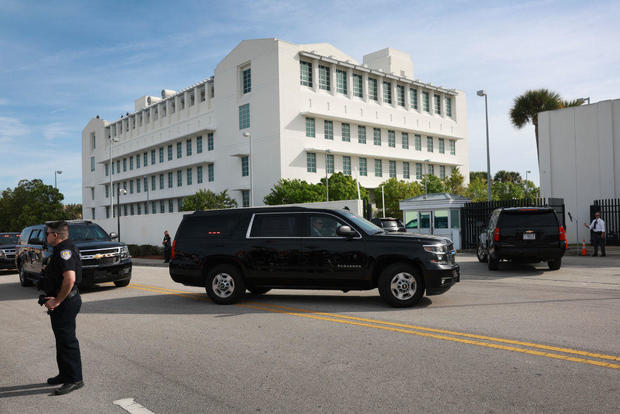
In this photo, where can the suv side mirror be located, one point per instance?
(346, 231)
(113, 235)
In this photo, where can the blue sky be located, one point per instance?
(63, 62)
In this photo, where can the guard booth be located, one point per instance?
(438, 214)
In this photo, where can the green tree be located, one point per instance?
(343, 187)
(504, 176)
(507, 190)
(475, 174)
(434, 184)
(73, 211)
(208, 200)
(477, 189)
(394, 192)
(31, 202)
(294, 192)
(454, 182)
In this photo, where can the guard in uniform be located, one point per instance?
(597, 229)
(167, 247)
(64, 272)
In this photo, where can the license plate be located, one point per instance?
(529, 236)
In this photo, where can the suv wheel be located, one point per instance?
(555, 264)
(400, 285)
(23, 279)
(224, 284)
(492, 263)
(122, 283)
(482, 255)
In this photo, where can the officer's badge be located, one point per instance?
(66, 254)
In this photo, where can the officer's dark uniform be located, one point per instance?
(167, 248)
(66, 256)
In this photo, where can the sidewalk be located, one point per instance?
(575, 250)
(141, 261)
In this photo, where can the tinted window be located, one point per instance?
(23, 239)
(528, 218)
(216, 225)
(87, 231)
(34, 237)
(323, 225)
(364, 224)
(275, 225)
(8, 238)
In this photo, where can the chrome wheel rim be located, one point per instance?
(480, 252)
(223, 285)
(403, 286)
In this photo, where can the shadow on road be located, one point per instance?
(27, 389)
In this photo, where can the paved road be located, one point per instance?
(522, 339)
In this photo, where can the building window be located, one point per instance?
(124, 164)
(346, 132)
(146, 159)
(329, 129)
(161, 155)
(93, 141)
(247, 80)
(211, 172)
(245, 170)
(92, 193)
(405, 139)
(310, 162)
(138, 185)
(162, 206)
(198, 145)
(139, 206)
(170, 179)
(378, 168)
(131, 209)
(245, 198)
(107, 190)
(179, 178)
(152, 157)
(188, 147)
(180, 203)
(405, 169)
(171, 206)
(153, 207)
(118, 166)
(372, 89)
(442, 171)
(244, 116)
(400, 95)
(107, 169)
(341, 81)
(418, 171)
(92, 163)
(392, 172)
(199, 174)
(170, 152)
(413, 98)
(452, 147)
(153, 183)
(107, 212)
(357, 85)
(137, 160)
(189, 176)
(210, 142)
(146, 184)
(361, 134)
(131, 187)
(92, 212)
(310, 132)
(429, 144)
(161, 181)
(131, 163)
(324, 78)
(391, 139)
(363, 167)
(330, 163)
(449, 106)
(426, 101)
(441, 145)
(346, 165)
(305, 76)
(418, 142)
(437, 104)
(376, 132)
(387, 92)
(179, 149)
(431, 170)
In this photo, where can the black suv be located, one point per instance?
(103, 260)
(523, 234)
(389, 224)
(229, 251)
(7, 250)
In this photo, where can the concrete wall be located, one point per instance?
(579, 159)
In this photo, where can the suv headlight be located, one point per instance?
(440, 251)
(124, 252)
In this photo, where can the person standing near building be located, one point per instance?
(597, 227)
(63, 273)
(167, 247)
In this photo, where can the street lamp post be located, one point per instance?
(526, 173)
(250, 161)
(482, 92)
(326, 177)
(119, 191)
(110, 169)
(56, 172)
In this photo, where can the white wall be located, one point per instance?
(580, 159)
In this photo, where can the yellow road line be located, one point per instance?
(410, 329)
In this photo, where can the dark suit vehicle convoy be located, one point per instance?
(103, 260)
(229, 251)
(8, 241)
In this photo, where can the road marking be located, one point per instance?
(129, 405)
(413, 330)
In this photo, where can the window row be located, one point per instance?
(145, 207)
(393, 93)
(378, 136)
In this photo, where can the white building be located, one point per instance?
(579, 159)
(286, 105)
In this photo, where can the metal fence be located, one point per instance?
(610, 213)
(475, 215)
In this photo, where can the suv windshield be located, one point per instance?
(87, 231)
(8, 238)
(364, 224)
(529, 218)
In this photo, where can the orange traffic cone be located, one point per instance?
(584, 252)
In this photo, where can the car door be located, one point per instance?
(331, 260)
(274, 249)
(38, 243)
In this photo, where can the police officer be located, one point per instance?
(167, 247)
(597, 227)
(64, 272)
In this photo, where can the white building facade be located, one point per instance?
(580, 159)
(274, 110)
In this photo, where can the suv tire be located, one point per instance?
(555, 264)
(224, 284)
(122, 283)
(258, 290)
(401, 285)
(493, 264)
(481, 254)
(23, 277)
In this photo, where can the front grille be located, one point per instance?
(98, 257)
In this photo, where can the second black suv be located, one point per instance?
(103, 260)
(229, 251)
(389, 224)
(7, 250)
(523, 234)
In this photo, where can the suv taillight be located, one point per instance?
(563, 237)
(174, 243)
(496, 234)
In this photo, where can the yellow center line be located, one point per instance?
(410, 329)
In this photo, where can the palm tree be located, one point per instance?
(527, 106)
